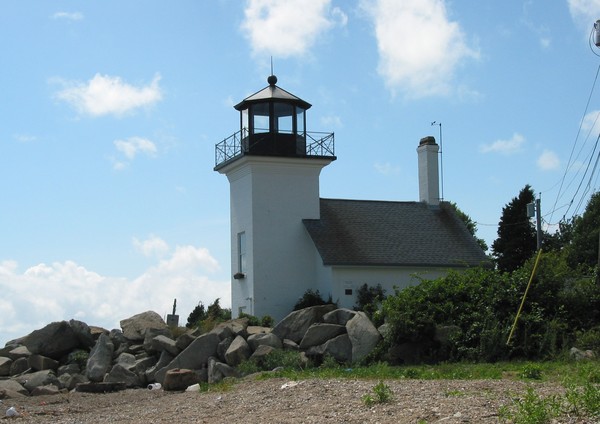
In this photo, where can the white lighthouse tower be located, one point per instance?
(273, 166)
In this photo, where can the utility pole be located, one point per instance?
(535, 209)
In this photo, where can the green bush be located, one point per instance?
(311, 298)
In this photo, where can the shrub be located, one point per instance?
(381, 393)
(368, 300)
(311, 298)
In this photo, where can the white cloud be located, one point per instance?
(24, 138)
(505, 147)
(151, 246)
(387, 168)
(548, 161)
(64, 290)
(134, 145)
(331, 121)
(106, 95)
(420, 48)
(72, 16)
(285, 28)
(591, 122)
(584, 13)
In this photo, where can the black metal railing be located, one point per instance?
(319, 144)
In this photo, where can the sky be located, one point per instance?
(110, 111)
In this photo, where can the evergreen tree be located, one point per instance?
(584, 247)
(517, 240)
(197, 315)
(471, 226)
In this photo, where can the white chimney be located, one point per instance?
(429, 187)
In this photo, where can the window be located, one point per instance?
(241, 239)
(348, 292)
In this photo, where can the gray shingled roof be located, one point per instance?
(361, 232)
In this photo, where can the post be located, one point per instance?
(538, 216)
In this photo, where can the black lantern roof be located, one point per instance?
(272, 93)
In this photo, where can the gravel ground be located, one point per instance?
(284, 401)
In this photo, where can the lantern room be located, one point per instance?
(273, 122)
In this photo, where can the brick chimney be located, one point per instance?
(429, 187)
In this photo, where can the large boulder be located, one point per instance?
(238, 351)
(164, 360)
(121, 374)
(12, 388)
(83, 333)
(194, 357)
(54, 340)
(162, 342)
(319, 333)
(100, 359)
(135, 327)
(180, 379)
(363, 336)
(217, 371)
(340, 316)
(40, 362)
(40, 378)
(294, 325)
(5, 364)
(260, 339)
(339, 348)
(236, 327)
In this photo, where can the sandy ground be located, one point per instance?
(284, 401)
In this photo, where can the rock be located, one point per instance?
(5, 365)
(68, 369)
(19, 366)
(339, 347)
(294, 325)
(54, 340)
(119, 373)
(217, 371)
(236, 327)
(100, 387)
(47, 390)
(290, 345)
(117, 338)
(195, 356)
(40, 378)
(238, 351)
(151, 333)
(162, 342)
(125, 359)
(579, 355)
(69, 381)
(19, 352)
(319, 333)
(222, 348)
(340, 316)
(260, 339)
(254, 329)
(13, 388)
(261, 353)
(83, 333)
(179, 379)
(135, 327)
(363, 336)
(163, 361)
(100, 359)
(38, 363)
(184, 340)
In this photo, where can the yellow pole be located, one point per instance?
(512, 330)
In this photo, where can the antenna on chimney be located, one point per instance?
(441, 160)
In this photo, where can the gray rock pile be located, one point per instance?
(74, 356)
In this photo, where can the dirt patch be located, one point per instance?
(282, 401)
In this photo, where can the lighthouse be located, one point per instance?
(273, 166)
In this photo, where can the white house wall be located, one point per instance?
(353, 277)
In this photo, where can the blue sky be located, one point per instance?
(109, 205)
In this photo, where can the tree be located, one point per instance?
(197, 315)
(470, 224)
(517, 239)
(584, 248)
